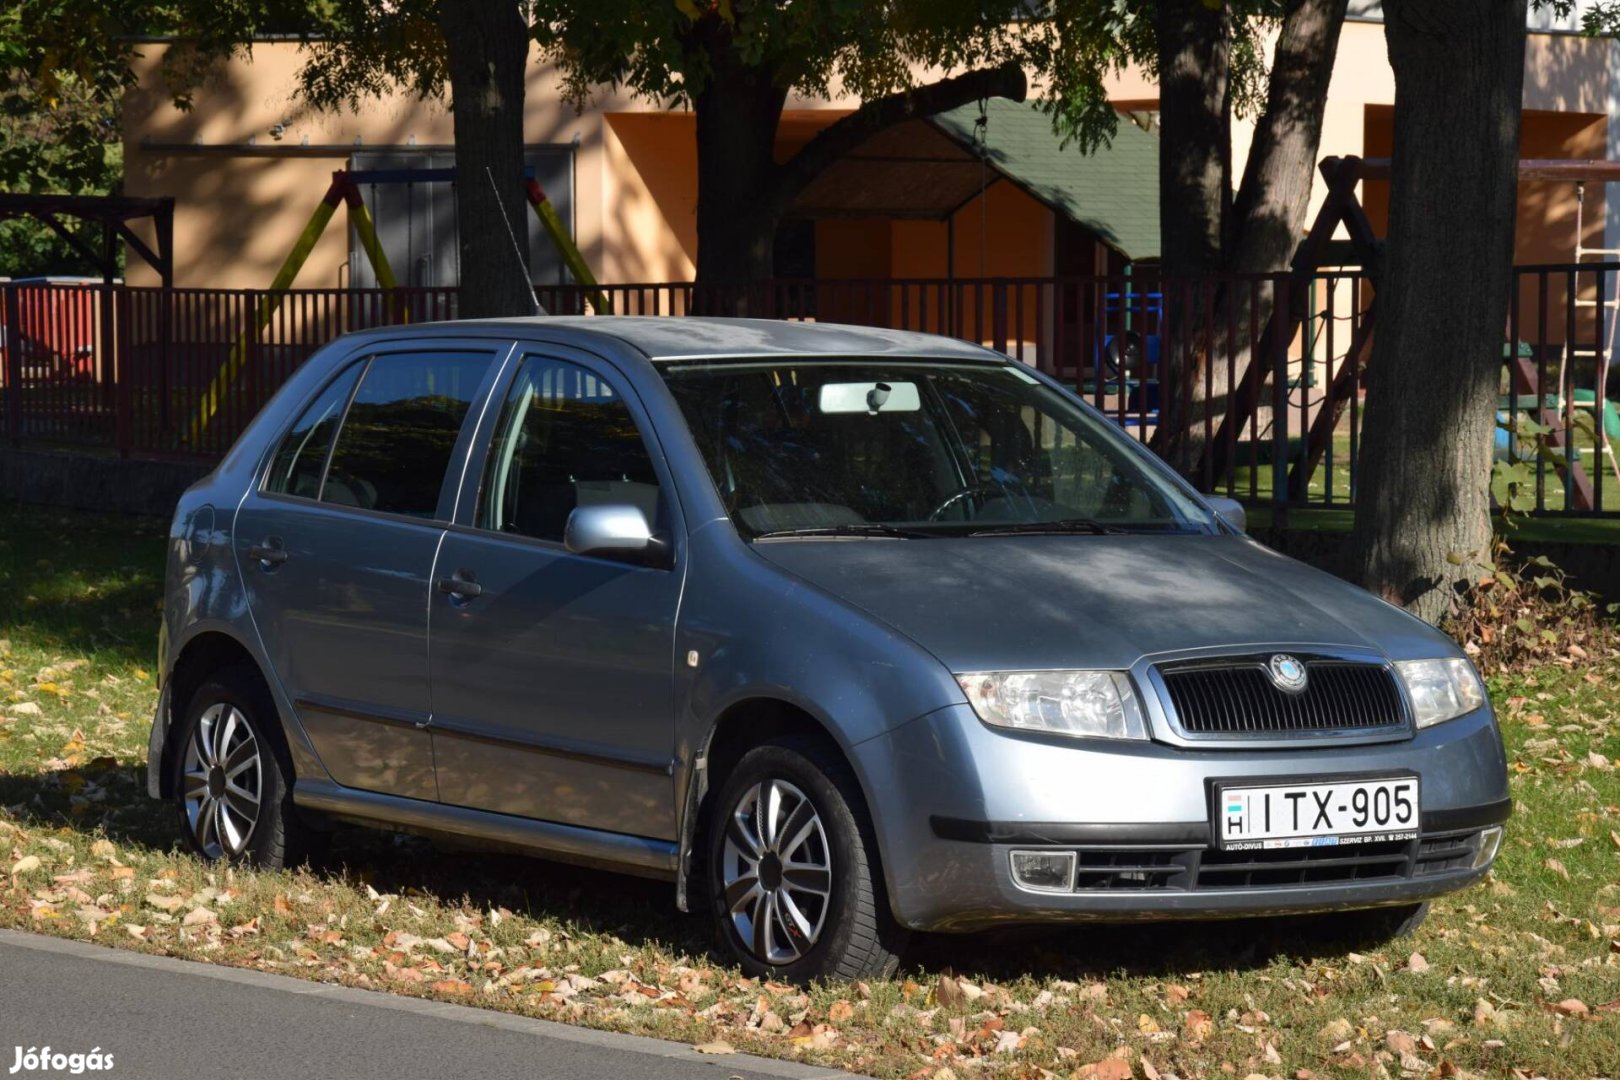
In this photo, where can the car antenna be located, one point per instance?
(517, 252)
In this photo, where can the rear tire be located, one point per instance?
(232, 776)
(792, 870)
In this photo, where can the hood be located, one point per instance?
(1032, 602)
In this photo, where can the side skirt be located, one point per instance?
(638, 855)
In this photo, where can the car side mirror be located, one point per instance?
(1230, 511)
(610, 529)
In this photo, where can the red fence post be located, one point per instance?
(120, 362)
(11, 327)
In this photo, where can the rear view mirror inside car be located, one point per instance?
(869, 397)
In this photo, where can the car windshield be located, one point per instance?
(895, 449)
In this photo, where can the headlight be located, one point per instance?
(1093, 704)
(1441, 689)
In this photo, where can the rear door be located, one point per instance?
(552, 676)
(336, 547)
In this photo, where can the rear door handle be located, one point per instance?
(461, 585)
(268, 554)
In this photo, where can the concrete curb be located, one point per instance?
(465, 1014)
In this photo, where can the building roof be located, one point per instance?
(1113, 191)
(930, 168)
(664, 338)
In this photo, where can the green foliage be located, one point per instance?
(665, 49)
(62, 140)
(1520, 613)
(64, 68)
(1081, 43)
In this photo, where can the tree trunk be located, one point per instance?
(486, 50)
(1266, 219)
(1195, 191)
(1268, 214)
(737, 114)
(1423, 521)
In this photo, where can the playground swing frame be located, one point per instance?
(1341, 206)
(344, 190)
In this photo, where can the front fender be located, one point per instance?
(751, 631)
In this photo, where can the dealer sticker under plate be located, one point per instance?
(1352, 811)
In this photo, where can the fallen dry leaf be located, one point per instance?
(1417, 964)
(1109, 1068)
(452, 986)
(1335, 1031)
(719, 1046)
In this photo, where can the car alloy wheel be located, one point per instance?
(223, 781)
(777, 872)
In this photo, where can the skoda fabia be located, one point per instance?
(845, 632)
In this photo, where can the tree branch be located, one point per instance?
(842, 136)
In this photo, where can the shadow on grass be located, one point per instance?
(81, 584)
(110, 799)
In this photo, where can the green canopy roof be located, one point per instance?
(930, 168)
(1114, 191)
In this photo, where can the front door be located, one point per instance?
(552, 676)
(336, 550)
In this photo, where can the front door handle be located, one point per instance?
(461, 586)
(269, 554)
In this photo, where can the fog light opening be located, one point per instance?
(1489, 841)
(1044, 871)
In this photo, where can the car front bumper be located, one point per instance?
(951, 800)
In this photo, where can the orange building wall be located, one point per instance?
(1545, 227)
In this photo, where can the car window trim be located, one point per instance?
(337, 433)
(477, 462)
(268, 465)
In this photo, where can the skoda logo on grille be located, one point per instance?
(1286, 673)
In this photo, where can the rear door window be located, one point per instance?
(401, 430)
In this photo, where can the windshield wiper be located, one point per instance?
(1089, 526)
(863, 528)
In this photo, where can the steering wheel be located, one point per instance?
(963, 493)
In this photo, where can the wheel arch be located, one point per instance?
(204, 655)
(744, 724)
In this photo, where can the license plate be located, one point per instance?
(1356, 811)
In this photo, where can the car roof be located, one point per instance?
(664, 338)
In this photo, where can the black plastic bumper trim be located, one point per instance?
(1167, 834)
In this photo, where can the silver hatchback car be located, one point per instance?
(846, 632)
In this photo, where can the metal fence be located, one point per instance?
(1251, 385)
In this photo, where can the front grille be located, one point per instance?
(1191, 869)
(1304, 866)
(1131, 869)
(1240, 698)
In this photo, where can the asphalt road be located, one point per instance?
(165, 1018)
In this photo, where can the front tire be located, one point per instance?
(232, 776)
(792, 869)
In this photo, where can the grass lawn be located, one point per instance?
(1518, 976)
